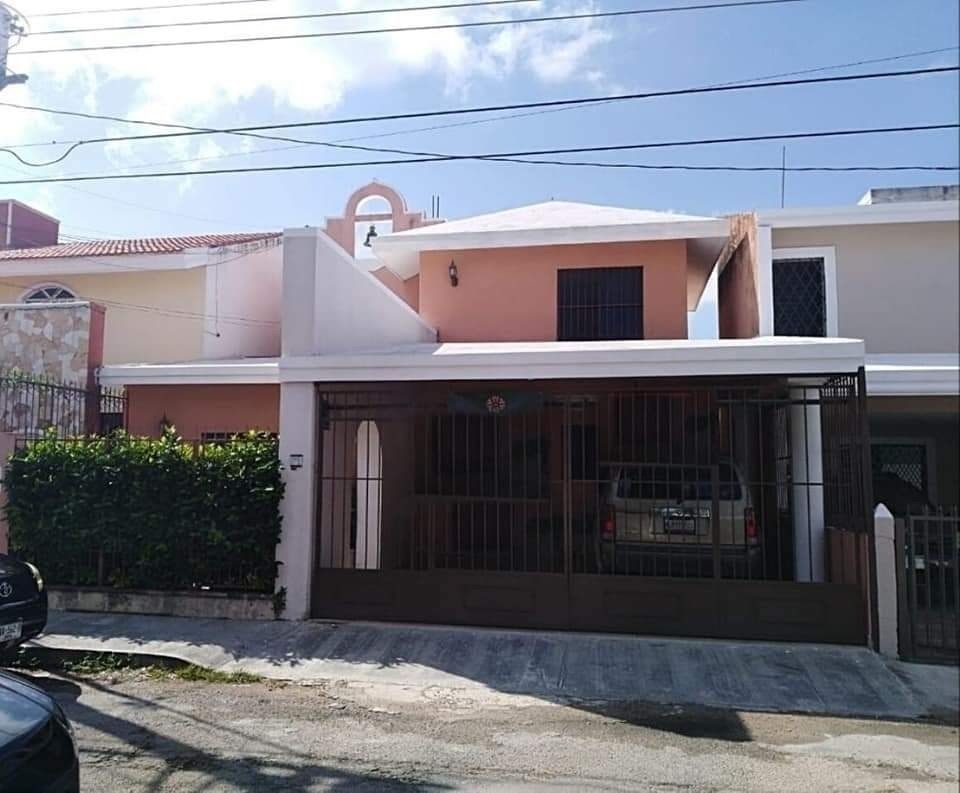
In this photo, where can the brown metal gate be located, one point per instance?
(595, 505)
(928, 587)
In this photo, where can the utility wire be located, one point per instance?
(505, 156)
(254, 131)
(281, 18)
(274, 149)
(508, 116)
(741, 168)
(419, 28)
(84, 12)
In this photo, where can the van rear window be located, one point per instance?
(678, 483)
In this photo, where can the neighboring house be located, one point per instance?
(540, 443)
(886, 271)
(166, 298)
(22, 226)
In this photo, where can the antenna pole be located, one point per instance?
(783, 175)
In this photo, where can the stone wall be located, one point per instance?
(56, 340)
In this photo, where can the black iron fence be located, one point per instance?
(725, 507)
(712, 481)
(928, 587)
(32, 405)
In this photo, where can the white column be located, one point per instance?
(299, 291)
(298, 425)
(368, 470)
(764, 276)
(887, 627)
(298, 437)
(807, 463)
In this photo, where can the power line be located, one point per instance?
(248, 131)
(509, 116)
(282, 17)
(274, 149)
(418, 28)
(741, 168)
(132, 204)
(77, 12)
(505, 156)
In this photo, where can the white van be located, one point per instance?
(658, 520)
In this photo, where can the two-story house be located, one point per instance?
(502, 420)
(165, 298)
(887, 271)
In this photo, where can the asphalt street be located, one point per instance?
(140, 734)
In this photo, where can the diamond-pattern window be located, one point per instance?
(799, 298)
(907, 461)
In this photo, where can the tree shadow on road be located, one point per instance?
(271, 769)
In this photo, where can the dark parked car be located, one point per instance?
(37, 750)
(23, 602)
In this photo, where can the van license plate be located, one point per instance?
(11, 631)
(680, 525)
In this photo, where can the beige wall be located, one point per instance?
(133, 335)
(510, 294)
(897, 284)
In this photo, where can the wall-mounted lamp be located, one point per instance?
(165, 424)
(296, 462)
(370, 235)
(454, 273)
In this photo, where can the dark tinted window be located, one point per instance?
(678, 483)
(799, 304)
(600, 303)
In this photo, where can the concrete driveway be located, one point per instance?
(743, 676)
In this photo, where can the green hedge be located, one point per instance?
(151, 513)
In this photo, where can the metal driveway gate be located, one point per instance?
(677, 509)
(928, 588)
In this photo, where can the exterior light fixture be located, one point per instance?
(296, 462)
(370, 235)
(454, 273)
(165, 424)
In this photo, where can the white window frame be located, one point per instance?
(50, 285)
(929, 443)
(828, 254)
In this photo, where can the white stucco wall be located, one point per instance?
(332, 306)
(243, 302)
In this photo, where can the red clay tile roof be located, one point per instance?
(136, 246)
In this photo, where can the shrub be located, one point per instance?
(135, 512)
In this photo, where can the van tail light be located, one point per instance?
(608, 524)
(750, 525)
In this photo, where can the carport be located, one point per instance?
(689, 488)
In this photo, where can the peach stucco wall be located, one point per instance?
(510, 294)
(195, 409)
(408, 291)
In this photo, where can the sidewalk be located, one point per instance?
(785, 678)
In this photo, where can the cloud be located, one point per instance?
(223, 84)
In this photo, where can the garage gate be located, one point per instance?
(728, 509)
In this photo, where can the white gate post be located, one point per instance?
(807, 463)
(298, 425)
(886, 558)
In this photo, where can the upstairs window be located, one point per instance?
(600, 303)
(799, 297)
